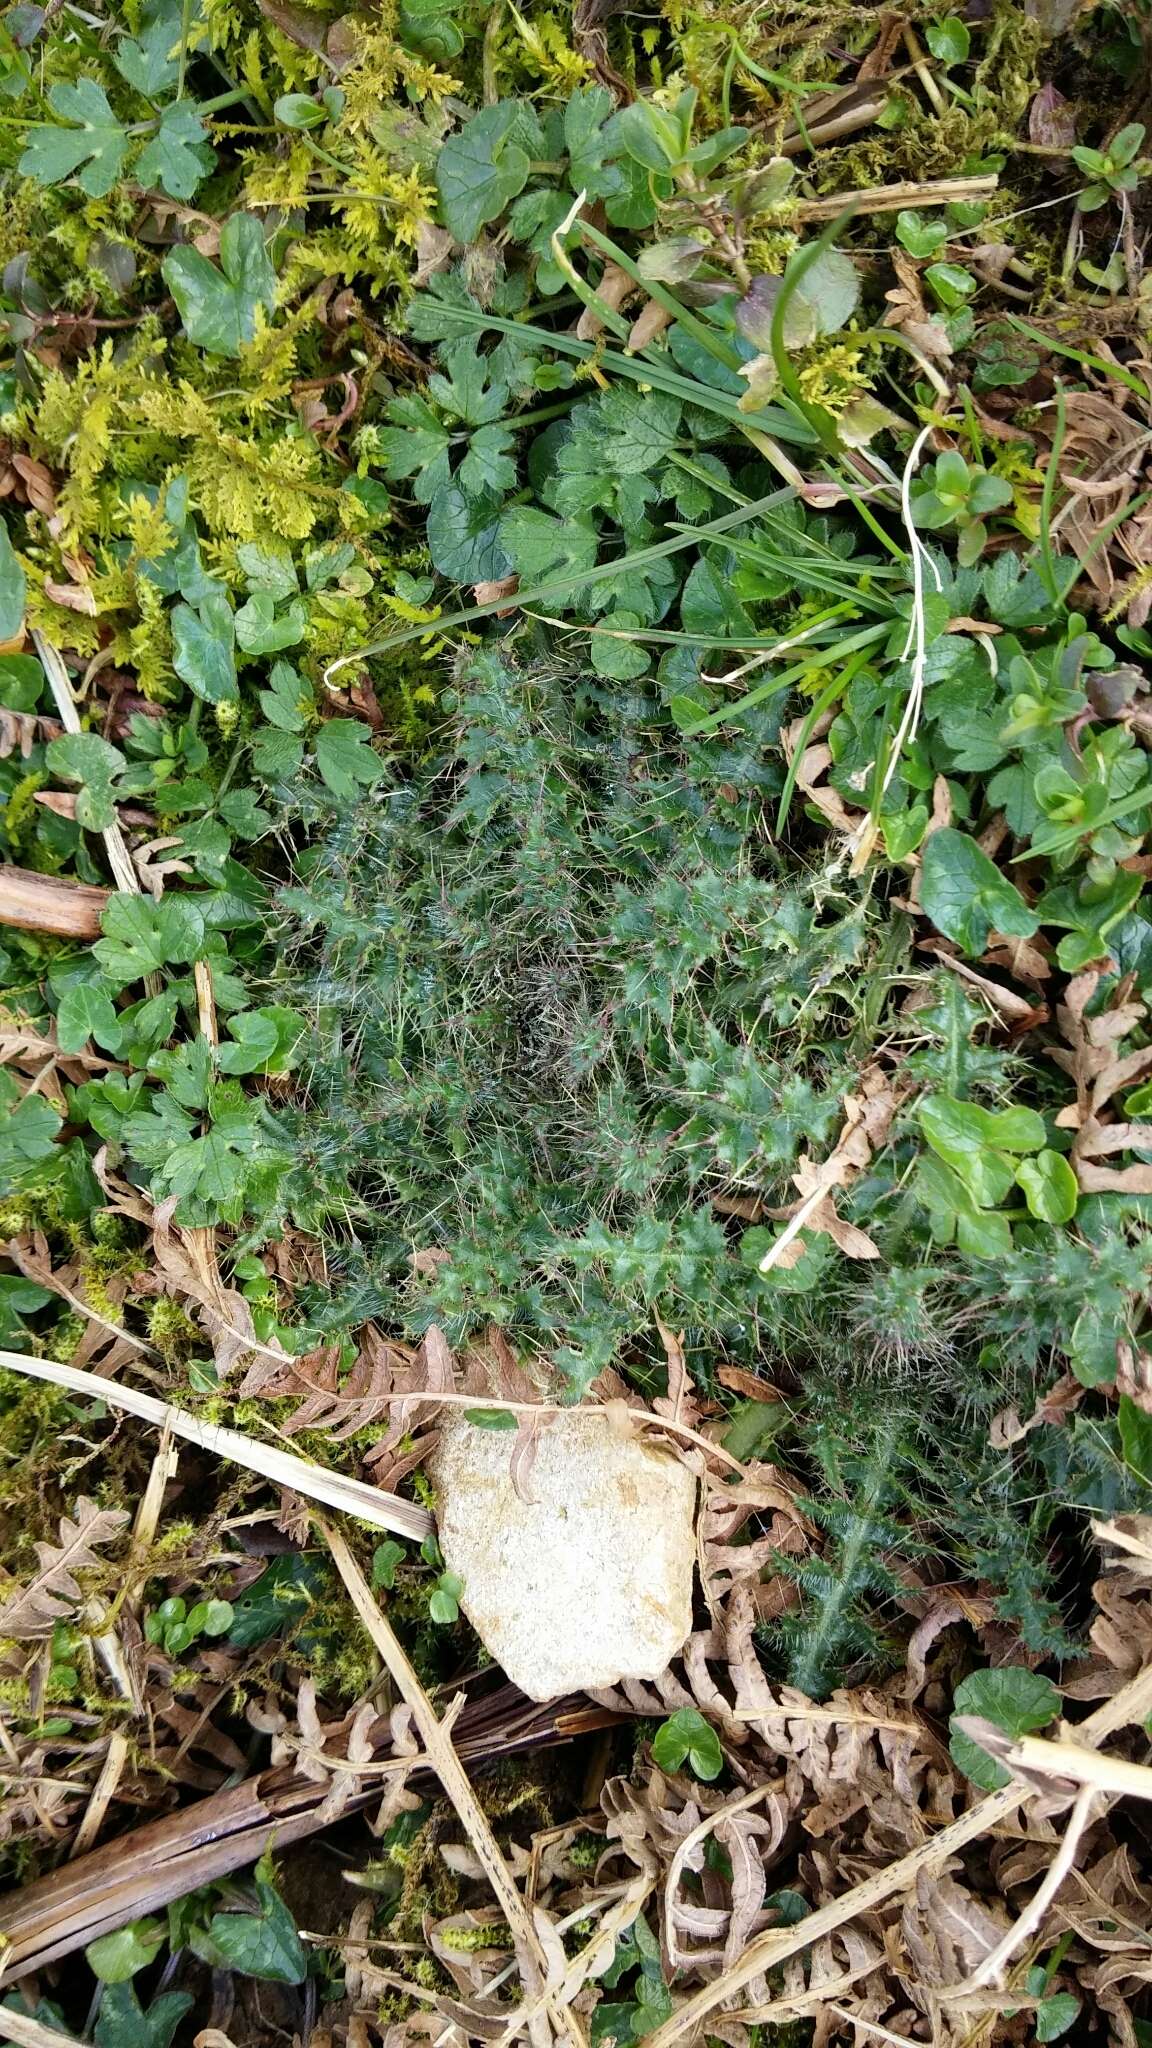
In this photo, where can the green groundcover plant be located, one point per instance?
(577, 729)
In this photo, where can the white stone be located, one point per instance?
(590, 1579)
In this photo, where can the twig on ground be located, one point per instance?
(51, 903)
(30, 2033)
(891, 198)
(103, 1793)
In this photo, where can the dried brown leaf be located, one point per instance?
(53, 1594)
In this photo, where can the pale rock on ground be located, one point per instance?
(590, 1579)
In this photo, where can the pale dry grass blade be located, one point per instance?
(442, 1755)
(283, 1468)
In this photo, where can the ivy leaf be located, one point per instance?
(1016, 1700)
(345, 759)
(686, 1734)
(179, 156)
(263, 1944)
(265, 1041)
(141, 936)
(480, 170)
(85, 758)
(1055, 2015)
(123, 2023)
(966, 896)
(279, 1597)
(385, 1559)
(116, 1957)
(1050, 1187)
(465, 537)
(85, 1011)
(13, 589)
(218, 303)
(94, 149)
(203, 642)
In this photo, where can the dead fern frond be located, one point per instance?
(35, 1609)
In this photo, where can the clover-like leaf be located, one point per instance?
(687, 1735)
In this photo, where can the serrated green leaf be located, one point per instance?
(141, 936)
(179, 156)
(94, 149)
(151, 61)
(86, 758)
(345, 759)
(85, 1012)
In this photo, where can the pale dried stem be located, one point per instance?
(891, 198)
(1131, 1704)
(1030, 1919)
(30, 2033)
(873, 2027)
(453, 1777)
(60, 684)
(334, 1489)
(103, 1793)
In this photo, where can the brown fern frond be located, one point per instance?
(36, 1608)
